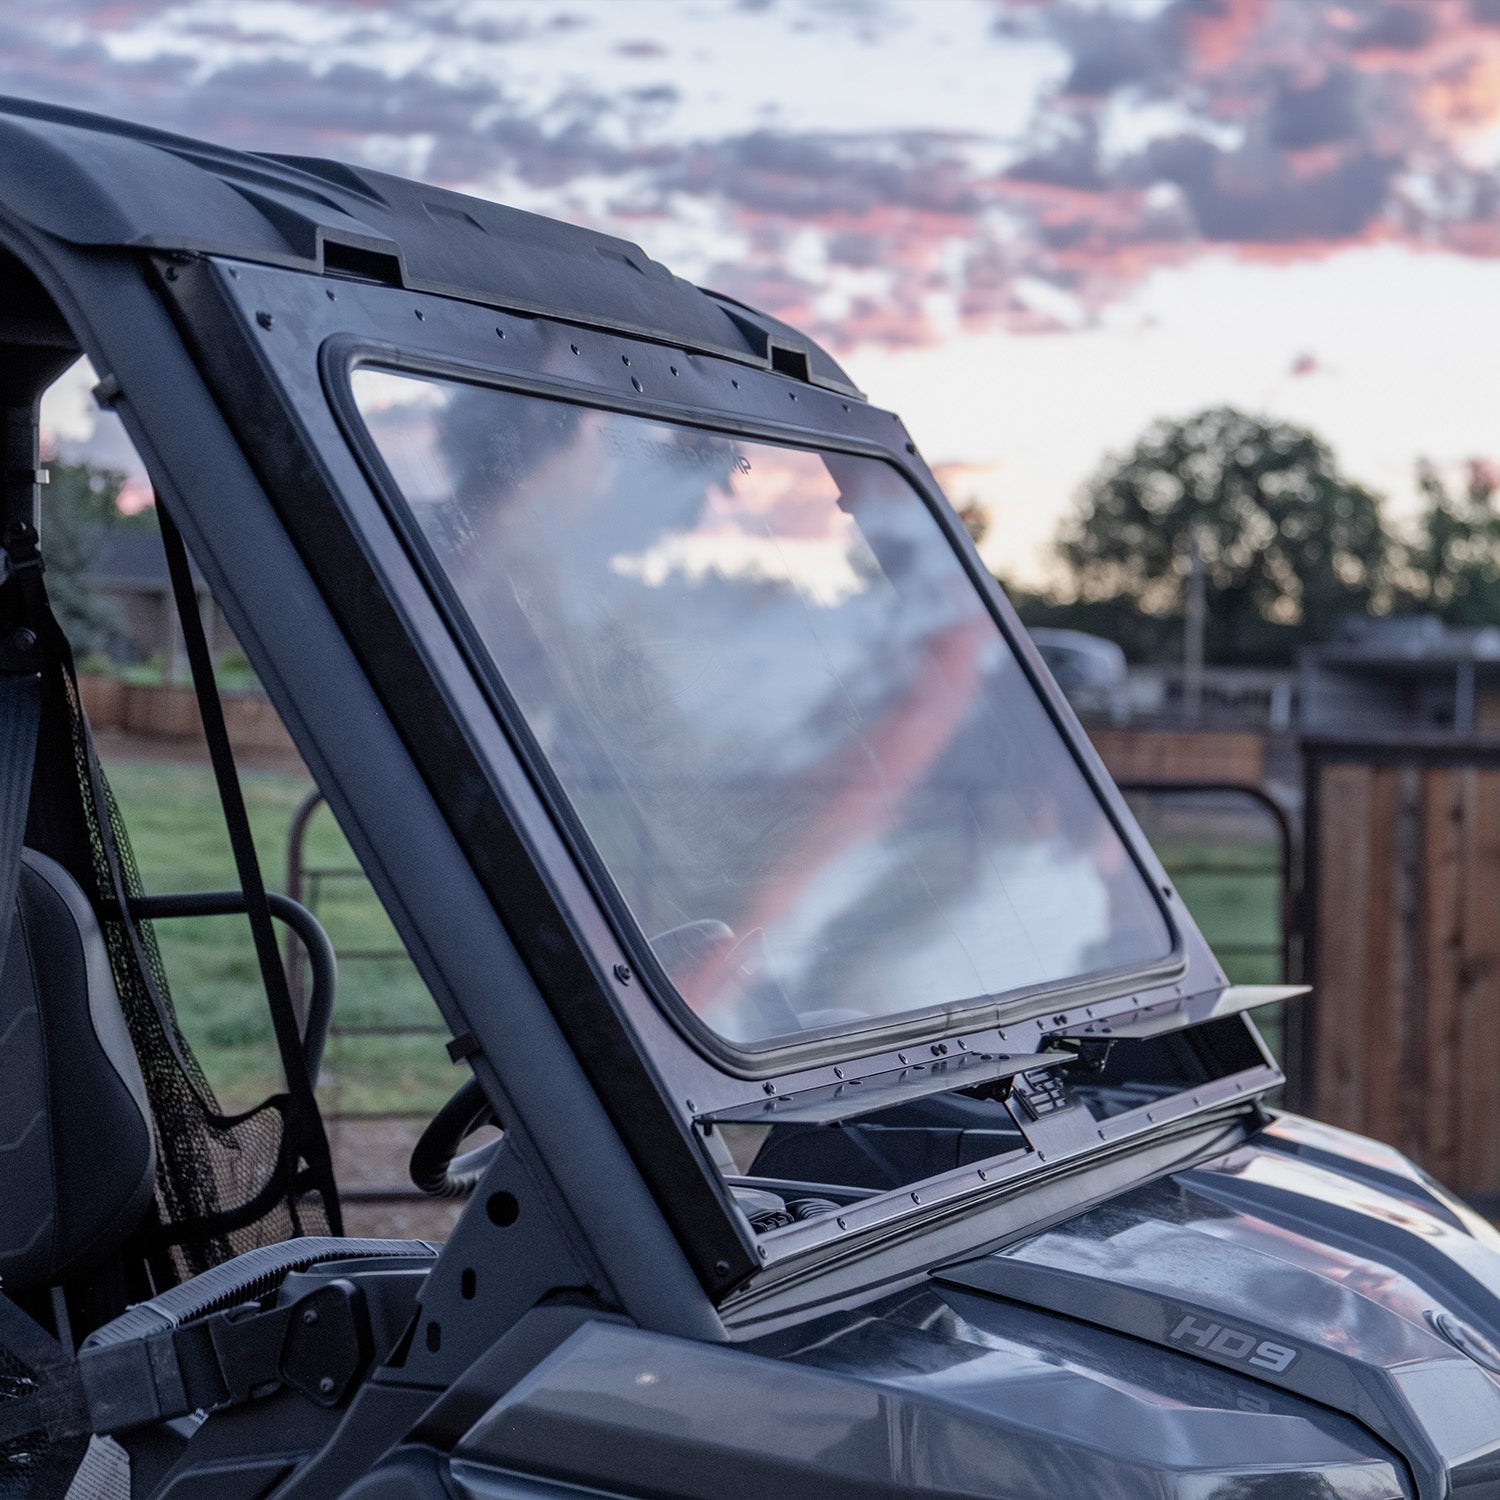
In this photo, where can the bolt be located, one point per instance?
(721, 1268)
(309, 1316)
(326, 1385)
(622, 973)
(265, 320)
(768, 1087)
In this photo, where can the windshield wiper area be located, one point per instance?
(832, 1103)
(1179, 1014)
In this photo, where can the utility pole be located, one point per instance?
(1195, 621)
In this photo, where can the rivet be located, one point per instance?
(265, 320)
(421, 316)
(838, 1072)
(636, 383)
(309, 1316)
(622, 973)
(768, 1087)
(326, 1385)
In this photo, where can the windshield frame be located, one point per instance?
(342, 356)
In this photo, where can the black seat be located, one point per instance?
(77, 1157)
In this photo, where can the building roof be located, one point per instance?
(1405, 644)
(131, 558)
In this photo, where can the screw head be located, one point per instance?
(265, 319)
(326, 1385)
(721, 1268)
(622, 973)
(309, 1316)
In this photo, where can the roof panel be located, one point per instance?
(95, 181)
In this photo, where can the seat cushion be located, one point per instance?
(77, 1158)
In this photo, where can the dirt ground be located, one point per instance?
(370, 1160)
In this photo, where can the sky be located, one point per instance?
(1030, 226)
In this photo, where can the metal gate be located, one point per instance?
(1227, 846)
(1230, 849)
(370, 1144)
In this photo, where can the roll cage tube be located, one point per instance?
(648, 1249)
(322, 961)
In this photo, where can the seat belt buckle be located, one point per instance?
(23, 549)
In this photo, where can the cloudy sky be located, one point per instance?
(1029, 225)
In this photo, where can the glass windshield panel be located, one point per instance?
(780, 709)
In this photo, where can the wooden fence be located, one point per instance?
(1150, 754)
(170, 714)
(1402, 885)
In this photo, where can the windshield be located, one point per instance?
(779, 708)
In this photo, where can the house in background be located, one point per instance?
(1403, 674)
(129, 576)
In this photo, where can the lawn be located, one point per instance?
(176, 825)
(1224, 859)
(1225, 870)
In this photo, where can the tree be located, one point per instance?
(1290, 545)
(79, 504)
(1452, 568)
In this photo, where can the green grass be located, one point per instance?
(1234, 895)
(177, 829)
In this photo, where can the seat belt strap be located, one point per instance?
(307, 1121)
(20, 723)
(20, 710)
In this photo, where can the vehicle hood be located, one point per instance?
(1306, 1315)
(1314, 1263)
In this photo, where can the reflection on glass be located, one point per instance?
(789, 724)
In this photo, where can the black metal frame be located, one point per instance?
(242, 318)
(321, 958)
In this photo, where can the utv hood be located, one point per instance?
(1304, 1316)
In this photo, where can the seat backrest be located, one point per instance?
(77, 1156)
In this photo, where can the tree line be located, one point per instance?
(1289, 544)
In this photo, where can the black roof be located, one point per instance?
(90, 180)
(131, 557)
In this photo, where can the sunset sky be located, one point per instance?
(1031, 227)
